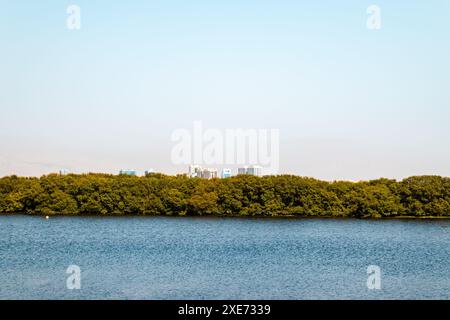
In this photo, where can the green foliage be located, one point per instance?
(284, 195)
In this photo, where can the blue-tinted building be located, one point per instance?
(226, 173)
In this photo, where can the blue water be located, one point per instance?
(213, 258)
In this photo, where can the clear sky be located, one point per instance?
(350, 103)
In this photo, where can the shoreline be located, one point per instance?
(262, 217)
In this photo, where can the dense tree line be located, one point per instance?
(283, 195)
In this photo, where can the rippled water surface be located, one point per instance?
(214, 258)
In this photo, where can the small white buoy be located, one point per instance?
(47, 217)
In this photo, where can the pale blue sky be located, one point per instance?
(350, 103)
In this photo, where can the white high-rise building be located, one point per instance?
(63, 172)
(196, 171)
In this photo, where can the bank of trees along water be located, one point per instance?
(284, 195)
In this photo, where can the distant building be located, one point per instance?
(251, 170)
(128, 172)
(149, 172)
(255, 171)
(226, 173)
(196, 171)
(242, 170)
(64, 172)
(209, 173)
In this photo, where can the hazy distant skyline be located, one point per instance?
(350, 103)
